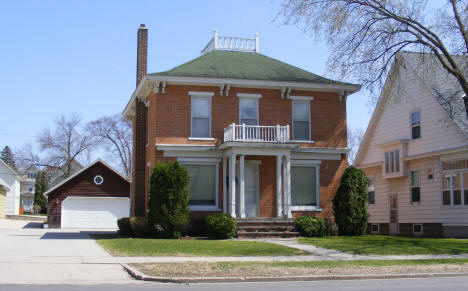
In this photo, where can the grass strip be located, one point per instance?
(306, 268)
(390, 245)
(119, 246)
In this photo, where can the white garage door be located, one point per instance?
(94, 212)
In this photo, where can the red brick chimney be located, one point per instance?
(139, 131)
(142, 53)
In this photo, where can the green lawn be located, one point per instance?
(119, 246)
(390, 245)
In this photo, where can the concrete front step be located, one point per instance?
(259, 234)
(265, 227)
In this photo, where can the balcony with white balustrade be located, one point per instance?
(256, 133)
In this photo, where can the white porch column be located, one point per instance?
(232, 184)
(242, 186)
(225, 198)
(287, 182)
(279, 186)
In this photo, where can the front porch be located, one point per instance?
(246, 190)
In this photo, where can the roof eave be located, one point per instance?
(143, 88)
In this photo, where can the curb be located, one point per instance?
(138, 275)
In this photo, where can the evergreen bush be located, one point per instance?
(168, 203)
(350, 203)
(220, 226)
(311, 226)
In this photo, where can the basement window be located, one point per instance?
(375, 228)
(417, 229)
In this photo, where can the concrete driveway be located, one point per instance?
(32, 255)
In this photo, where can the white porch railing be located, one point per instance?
(231, 43)
(256, 133)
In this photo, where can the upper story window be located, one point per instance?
(415, 187)
(370, 190)
(392, 161)
(301, 120)
(416, 125)
(201, 116)
(248, 111)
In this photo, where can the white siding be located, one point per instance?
(430, 210)
(408, 95)
(8, 179)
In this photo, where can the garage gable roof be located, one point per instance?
(83, 170)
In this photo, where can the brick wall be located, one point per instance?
(169, 123)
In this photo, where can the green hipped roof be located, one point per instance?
(243, 65)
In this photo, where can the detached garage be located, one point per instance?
(95, 197)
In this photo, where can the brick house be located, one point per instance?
(258, 137)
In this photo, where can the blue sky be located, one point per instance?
(80, 56)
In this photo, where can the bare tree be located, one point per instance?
(364, 36)
(115, 134)
(355, 137)
(59, 147)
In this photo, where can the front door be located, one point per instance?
(393, 205)
(250, 190)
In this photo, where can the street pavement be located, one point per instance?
(32, 255)
(426, 284)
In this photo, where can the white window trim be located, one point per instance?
(378, 228)
(201, 94)
(414, 186)
(411, 124)
(258, 108)
(418, 233)
(205, 161)
(201, 138)
(249, 95)
(301, 98)
(292, 118)
(309, 163)
(198, 95)
(459, 172)
(368, 204)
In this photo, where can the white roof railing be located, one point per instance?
(231, 43)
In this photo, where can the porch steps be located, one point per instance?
(265, 227)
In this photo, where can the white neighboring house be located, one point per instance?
(28, 181)
(9, 190)
(415, 152)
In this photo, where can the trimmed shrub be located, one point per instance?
(350, 203)
(197, 227)
(138, 226)
(124, 226)
(133, 226)
(311, 226)
(220, 226)
(168, 204)
(332, 227)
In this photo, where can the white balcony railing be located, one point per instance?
(231, 43)
(256, 133)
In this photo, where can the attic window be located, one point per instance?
(98, 180)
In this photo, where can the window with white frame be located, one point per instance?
(375, 228)
(392, 162)
(248, 111)
(417, 228)
(416, 125)
(202, 185)
(201, 116)
(415, 187)
(304, 187)
(301, 120)
(452, 188)
(370, 190)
